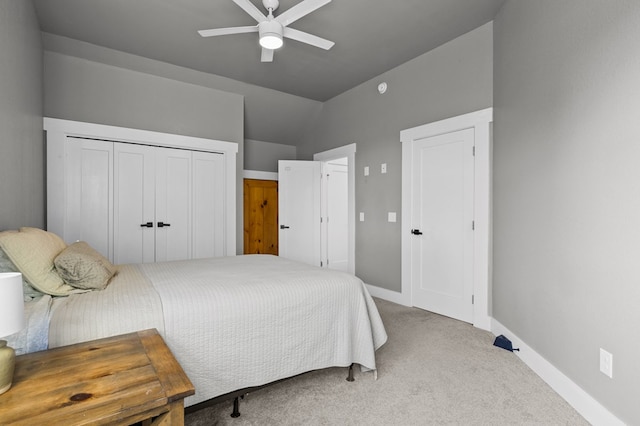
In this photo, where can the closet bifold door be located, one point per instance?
(134, 203)
(89, 198)
(173, 202)
(208, 206)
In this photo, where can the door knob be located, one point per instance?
(162, 224)
(416, 232)
(284, 227)
(147, 225)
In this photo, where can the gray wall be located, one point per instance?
(566, 275)
(269, 115)
(450, 80)
(264, 156)
(83, 90)
(21, 143)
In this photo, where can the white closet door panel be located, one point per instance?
(173, 204)
(134, 203)
(89, 193)
(209, 239)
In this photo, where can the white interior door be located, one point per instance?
(337, 214)
(442, 224)
(134, 203)
(299, 210)
(173, 204)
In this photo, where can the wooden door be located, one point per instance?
(260, 216)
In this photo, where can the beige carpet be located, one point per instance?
(432, 371)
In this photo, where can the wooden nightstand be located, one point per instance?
(118, 380)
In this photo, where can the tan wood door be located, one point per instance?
(260, 216)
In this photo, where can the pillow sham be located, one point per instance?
(32, 251)
(81, 266)
(6, 265)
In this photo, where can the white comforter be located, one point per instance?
(233, 322)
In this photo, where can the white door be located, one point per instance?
(134, 203)
(337, 214)
(299, 210)
(208, 205)
(89, 195)
(173, 204)
(442, 224)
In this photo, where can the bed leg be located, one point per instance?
(236, 407)
(350, 376)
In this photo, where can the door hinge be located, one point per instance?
(473, 225)
(474, 151)
(473, 301)
(321, 263)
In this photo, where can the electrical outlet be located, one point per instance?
(606, 363)
(383, 168)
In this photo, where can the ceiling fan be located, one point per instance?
(272, 29)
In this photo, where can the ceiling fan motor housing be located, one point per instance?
(270, 34)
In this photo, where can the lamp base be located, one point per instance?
(7, 366)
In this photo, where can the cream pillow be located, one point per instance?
(32, 251)
(80, 266)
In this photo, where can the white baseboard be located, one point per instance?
(390, 295)
(583, 403)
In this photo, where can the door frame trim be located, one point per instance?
(480, 121)
(348, 151)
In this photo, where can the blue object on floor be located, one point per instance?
(504, 343)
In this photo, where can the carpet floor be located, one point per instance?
(433, 370)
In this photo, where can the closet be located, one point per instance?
(139, 196)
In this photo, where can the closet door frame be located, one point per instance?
(59, 130)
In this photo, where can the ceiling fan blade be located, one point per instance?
(226, 31)
(299, 10)
(267, 55)
(307, 38)
(251, 9)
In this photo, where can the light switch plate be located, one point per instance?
(366, 170)
(392, 216)
(383, 168)
(361, 216)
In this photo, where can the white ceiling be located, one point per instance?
(371, 36)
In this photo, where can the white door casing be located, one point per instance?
(442, 224)
(480, 122)
(348, 152)
(299, 210)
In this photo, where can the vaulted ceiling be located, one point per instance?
(371, 36)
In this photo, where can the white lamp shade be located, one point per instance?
(11, 303)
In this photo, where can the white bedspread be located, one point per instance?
(234, 322)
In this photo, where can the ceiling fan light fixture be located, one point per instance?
(270, 34)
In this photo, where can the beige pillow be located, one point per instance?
(80, 266)
(32, 251)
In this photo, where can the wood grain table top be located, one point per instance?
(116, 380)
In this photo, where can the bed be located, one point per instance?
(232, 323)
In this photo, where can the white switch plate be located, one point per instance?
(366, 170)
(383, 168)
(361, 216)
(606, 363)
(392, 216)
